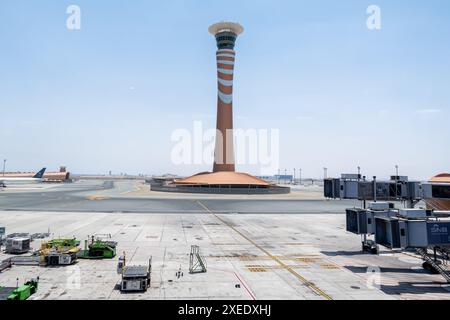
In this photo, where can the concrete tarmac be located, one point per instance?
(255, 248)
(106, 196)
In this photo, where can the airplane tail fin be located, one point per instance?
(40, 174)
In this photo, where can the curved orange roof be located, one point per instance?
(223, 178)
(442, 177)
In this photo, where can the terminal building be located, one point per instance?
(440, 204)
(59, 176)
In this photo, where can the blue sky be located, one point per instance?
(108, 96)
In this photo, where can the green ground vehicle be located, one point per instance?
(25, 291)
(98, 249)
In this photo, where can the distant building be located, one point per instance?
(283, 177)
(60, 176)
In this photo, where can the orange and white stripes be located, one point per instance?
(225, 68)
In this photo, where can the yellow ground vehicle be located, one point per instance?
(61, 251)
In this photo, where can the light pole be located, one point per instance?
(396, 180)
(300, 177)
(4, 165)
(285, 176)
(294, 175)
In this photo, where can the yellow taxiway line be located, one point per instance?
(309, 284)
(97, 197)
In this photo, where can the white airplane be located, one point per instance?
(37, 178)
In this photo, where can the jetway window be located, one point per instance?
(395, 190)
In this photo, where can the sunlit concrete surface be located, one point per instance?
(299, 252)
(137, 188)
(134, 196)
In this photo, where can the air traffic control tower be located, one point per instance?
(225, 34)
(223, 178)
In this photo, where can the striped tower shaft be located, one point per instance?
(224, 150)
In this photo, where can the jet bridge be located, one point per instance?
(361, 221)
(427, 231)
(413, 228)
(357, 187)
